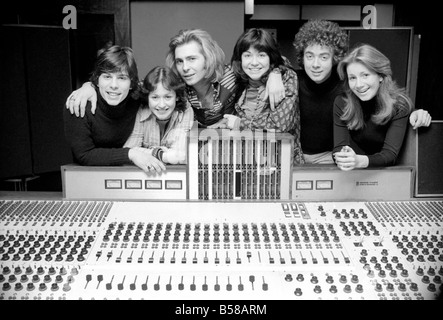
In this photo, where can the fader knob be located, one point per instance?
(431, 271)
(264, 286)
(431, 287)
(413, 286)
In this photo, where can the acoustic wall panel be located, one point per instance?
(36, 82)
(15, 141)
(49, 83)
(429, 180)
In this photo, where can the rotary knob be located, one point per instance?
(298, 292)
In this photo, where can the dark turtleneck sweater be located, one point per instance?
(316, 111)
(98, 139)
(381, 143)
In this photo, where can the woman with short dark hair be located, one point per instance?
(256, 55)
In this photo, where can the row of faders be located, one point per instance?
(44, 244)
(210, 251)
(220, 250)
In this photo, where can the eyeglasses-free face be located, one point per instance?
(363, 82)
(318, 62)
(255, 63)
(162, 102)
(190, 63)
(114, 87)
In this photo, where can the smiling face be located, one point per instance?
(190, 63)
(363, 82)
(114, 87)
(318, 61)
(162, 102)
(255, 63)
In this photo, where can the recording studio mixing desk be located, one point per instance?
(285, 250)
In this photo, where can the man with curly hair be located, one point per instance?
(320, 45)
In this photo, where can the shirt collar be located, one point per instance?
(146, 113)
(192, 93)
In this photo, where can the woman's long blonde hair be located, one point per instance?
(390, 97)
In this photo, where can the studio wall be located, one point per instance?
(154, 23)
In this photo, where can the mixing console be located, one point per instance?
(283, 250)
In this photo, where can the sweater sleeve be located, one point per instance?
(341, 133)
(284, 116)
(136, 137)
(392, 143)
(78, 132)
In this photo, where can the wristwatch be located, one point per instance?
(158, 153)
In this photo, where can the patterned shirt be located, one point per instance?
(146, 132)
(223, 100)
(284, 118)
